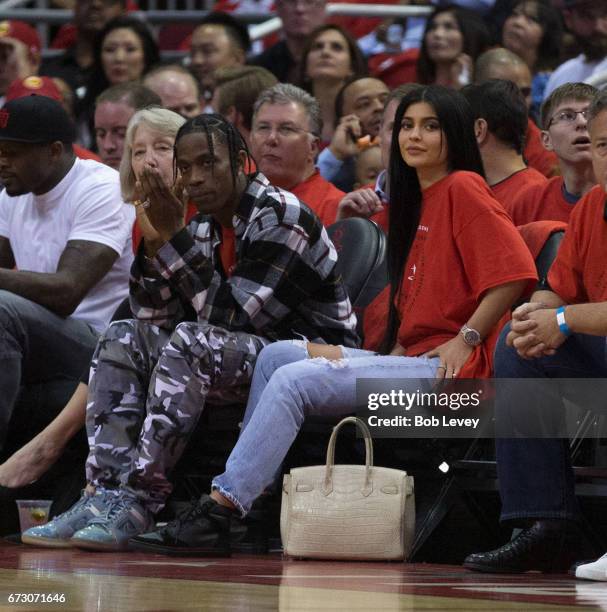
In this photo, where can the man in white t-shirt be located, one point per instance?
(587, 21)
(65, 249)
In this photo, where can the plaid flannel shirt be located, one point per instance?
(284, 283)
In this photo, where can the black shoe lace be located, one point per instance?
(193, 511)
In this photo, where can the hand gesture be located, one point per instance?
(344, 142)
(359, 203)
(543, 337)
(165, 211)
(461, 71)
(453, 354)
(521, 335)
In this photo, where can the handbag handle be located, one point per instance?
(328, 483)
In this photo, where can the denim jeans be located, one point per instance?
(286, 388)
(535, 476)
(37, 346)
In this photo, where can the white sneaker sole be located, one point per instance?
(99, 546)
(587, 572)
(46, 542)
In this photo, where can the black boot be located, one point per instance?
(546, 546)
(203, 529)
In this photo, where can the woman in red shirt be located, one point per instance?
(447, 241)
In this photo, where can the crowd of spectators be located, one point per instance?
(187, 202)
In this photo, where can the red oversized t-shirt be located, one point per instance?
(508, 191)
(465, 245)
(579, 274)
(540, 202)
(321, 196)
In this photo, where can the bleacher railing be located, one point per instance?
(262, 24)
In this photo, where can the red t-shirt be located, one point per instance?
(543, 202)
(321, 196)
(137, 236)
(507, 192)
(83, 153)
(536, 155)
(579, 274)
(227, 250)
(395, 69)
(463, 240)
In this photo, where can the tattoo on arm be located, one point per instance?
(81, 266)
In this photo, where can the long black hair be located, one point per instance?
(550, 49)
(98, 80)
(475, 39)
(457, 124)
(358, 63)
(217, 129)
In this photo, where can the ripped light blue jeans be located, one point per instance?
(286, 388)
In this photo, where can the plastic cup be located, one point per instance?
(33, 512)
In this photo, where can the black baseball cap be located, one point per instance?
(36, 120)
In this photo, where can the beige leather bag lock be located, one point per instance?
(347, 511)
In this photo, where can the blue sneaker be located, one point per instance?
(58, 532)
(124, 518)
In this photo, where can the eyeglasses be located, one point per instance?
(567, 116)
(284, 130)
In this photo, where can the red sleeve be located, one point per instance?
(566, 276)
(489, 231)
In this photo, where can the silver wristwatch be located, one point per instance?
(471, 336)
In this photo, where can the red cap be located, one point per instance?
(38, 85)
(21, 31)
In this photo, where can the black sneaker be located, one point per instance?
(203, 529)
(545, 547)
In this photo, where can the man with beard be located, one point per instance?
(587, 21)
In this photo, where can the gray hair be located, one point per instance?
(285, 93)
(597, 106)
(158, 119)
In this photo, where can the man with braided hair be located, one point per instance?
(254, 266)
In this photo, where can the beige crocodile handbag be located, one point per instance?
(356, 512)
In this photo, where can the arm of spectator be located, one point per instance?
(328, 165)
(164, 215)
(276, 271)
(360, 203)
(521, 335)
(39, 454)
(81, 266)
(398, 351)
(587, 318)
(151, 296)
(7, 259)
(454, 353)
(580, 318)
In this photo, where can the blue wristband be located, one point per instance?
(560, 319)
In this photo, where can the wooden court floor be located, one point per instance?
(108, 582)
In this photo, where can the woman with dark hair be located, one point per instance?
(330, 56)
(449, 290)
(124, 51)
(534, 31)
(453, 39)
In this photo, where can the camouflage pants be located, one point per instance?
(147, 390)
